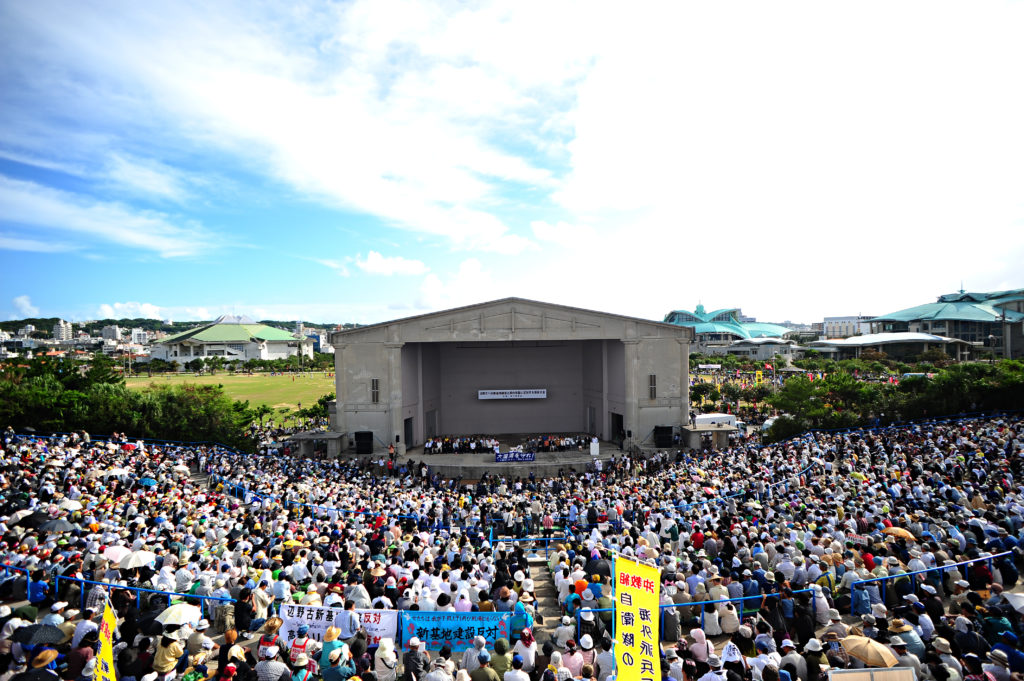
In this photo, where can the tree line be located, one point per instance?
(54, 395)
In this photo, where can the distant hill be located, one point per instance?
(44, 325)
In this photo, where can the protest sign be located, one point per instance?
(378, 623)
(456, 628)
(637, 653)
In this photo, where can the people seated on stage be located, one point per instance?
(448, 444)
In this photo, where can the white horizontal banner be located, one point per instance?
(513, 394)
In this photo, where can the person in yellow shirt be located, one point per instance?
(168, 652)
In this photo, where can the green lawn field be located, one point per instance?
(274, 391)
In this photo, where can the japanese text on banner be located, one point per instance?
(377, 623)
(456, 628)
(105, 657)
(637, 593)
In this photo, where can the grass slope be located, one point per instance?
(273, 391)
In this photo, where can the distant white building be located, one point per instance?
(139, 337)
(112, 332)
(27, 330)
(63, 331)
(845, 327)
(234, 339)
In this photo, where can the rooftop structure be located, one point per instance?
(988, 321)
(233, 338)
(722, 326)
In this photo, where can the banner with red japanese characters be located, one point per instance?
(637, 594)
(377, 623)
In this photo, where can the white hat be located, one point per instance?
(814, 645)
(58, 606)
(586, 642)
(414, 642)
(203, 624)
(787, 643)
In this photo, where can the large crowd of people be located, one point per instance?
(759, 546)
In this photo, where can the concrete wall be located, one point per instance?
(431, 365)
(469, 367)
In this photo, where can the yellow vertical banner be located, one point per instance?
(758, 377)
(105, 655)
(637, 621)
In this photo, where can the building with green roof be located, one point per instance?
(723, 326)
(990, 322)
(234, 339)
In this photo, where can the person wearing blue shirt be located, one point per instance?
(1008, 644)
(38, 590)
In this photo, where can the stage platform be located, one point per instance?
(473, 466)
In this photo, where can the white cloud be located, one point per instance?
(562, 233)
(10, 242)
(470, 283)
(375, 263)
(28, 203)
(339, 267)
(24, 306)
(129, 310)
(148, 178)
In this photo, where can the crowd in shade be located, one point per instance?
(893, 547)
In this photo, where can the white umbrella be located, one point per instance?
(116, 472)
(115, 554)
(180, 613)
(1016, 600)
(182, 468)
(70, 505)
(18, 515)
(137, 559)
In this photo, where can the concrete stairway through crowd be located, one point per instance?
(546, 607)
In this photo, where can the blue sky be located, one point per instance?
(359, 161)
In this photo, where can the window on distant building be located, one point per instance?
(653, 386)
(375, 390)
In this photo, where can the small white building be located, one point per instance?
(234, 339)
(844, 327)
(63, 331)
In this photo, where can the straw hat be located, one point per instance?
(899, 626)
(44, 658)
(331, 634)
(273, 624)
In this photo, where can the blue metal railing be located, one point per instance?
(139, 591)
(944, 568)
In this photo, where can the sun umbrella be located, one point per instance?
(872, 653)
(56, 525)
(137, 559)
(34, 520)
(115, 554)
(180, 613)
(117, 472)
(38, 634)
(18, 515)
(898, 532)
(70, 505)
(182, 468)
(291, 542)
(1016, 600)
(147, 482)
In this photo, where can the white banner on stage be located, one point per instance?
(513, 394)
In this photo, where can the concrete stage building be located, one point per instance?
(510, 366)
